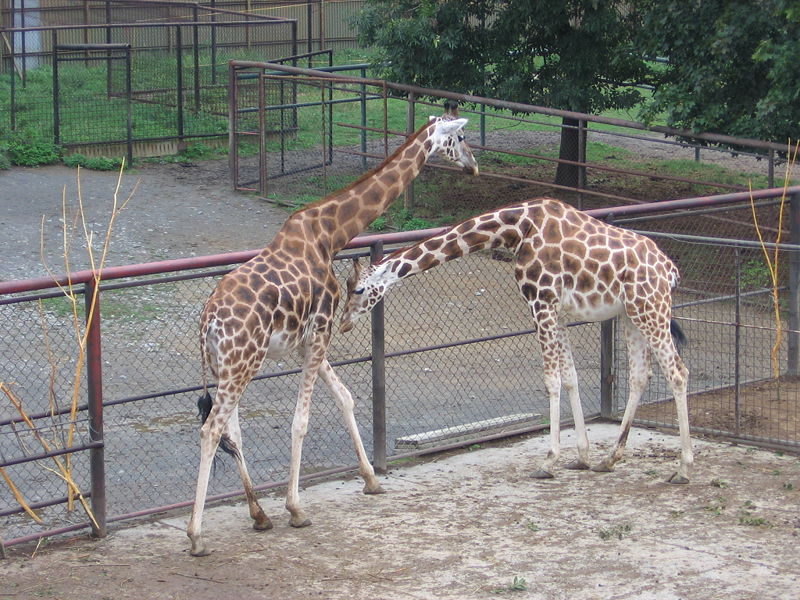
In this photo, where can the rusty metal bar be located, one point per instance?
(793, 342)
(94, 376)
(378, 375)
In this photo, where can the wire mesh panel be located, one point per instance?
(742, 377)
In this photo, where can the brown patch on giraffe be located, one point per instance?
(433, 244)
(428, 262)
(475, 239)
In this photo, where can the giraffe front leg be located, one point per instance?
(552, 353)
(570, 379)
(553, 385)
(311, 364)
(346, 404)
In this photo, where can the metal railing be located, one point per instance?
(453, 363)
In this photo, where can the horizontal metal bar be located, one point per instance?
(166, 266)
(38, 505)
(43, 455)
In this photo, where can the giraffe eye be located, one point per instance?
(358, 291)
(460, 138)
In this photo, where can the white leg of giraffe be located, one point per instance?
(210, 434)
(559, 369)
(312, 360)
(552, 356)
(638, 374)
(677, 376)
(346, 404)
(569, 377)
(233, 432)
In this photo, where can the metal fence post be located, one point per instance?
(56, 95)
(607, 369)
(793, 342)
(408, 203)
(378, 376)
(129, 103)
(94, 380)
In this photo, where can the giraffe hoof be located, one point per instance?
(299, 522)
(542, 474)
(603, 467)
(262, 525)
(577, 465)
(199, 552)
(678, 479)
(372, 490)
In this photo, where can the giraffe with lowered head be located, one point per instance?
(284, 299)
(568, 265)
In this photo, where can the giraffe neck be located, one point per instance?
(346, 213)
(504, 228)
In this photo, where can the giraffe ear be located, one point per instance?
(452, 125)
(353, 279)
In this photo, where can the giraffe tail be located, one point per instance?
(677, 333)
(204, 405)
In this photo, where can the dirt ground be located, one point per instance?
(470, 525)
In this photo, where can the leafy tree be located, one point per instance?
(567, 54)
(733, 65)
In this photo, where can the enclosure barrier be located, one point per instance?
(397, 376)
(261, 94)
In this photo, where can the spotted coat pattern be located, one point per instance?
(568, 266)
(284, 300)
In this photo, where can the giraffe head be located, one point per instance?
(448, 142)
(365, 288)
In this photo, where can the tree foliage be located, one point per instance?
(733, 65)
(568, 54)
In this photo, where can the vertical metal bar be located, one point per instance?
(483, 125)
(129, 100)
(214, 42)
(56, 94)
(262, 137)
(14, 81)
(330, 123)
(378, 376)
(793, 341)
(196, 57)
(282, 100)
(771, 168)
(109, 54)
(179, 66)
(233, 126)
(408, 196)
(363, 120)
(737, 341)
(582, 160)
(24, 48)
(324, 144)
(94, 377)
(607, 408)
(321, 24)
(309, 28)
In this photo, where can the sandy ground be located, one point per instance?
(470, 525)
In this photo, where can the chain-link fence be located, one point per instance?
(461, 363)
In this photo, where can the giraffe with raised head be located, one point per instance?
(284, 299)
(568, 266)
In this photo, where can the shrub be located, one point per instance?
(98, 163)
(29, 150)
